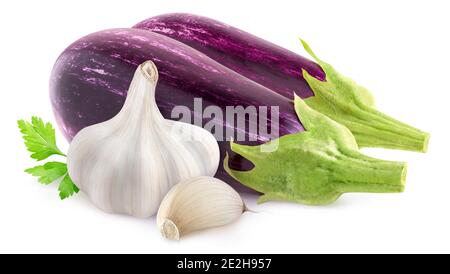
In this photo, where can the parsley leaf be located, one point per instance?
(52, 171)
(40, 141)
(49, 172)
(67, 188)
(39, 138)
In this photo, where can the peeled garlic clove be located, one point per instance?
(196, 204)
(128, 163)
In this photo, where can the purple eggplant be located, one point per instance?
(91, 77)
(287, 73)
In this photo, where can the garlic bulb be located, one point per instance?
(198, 203)
(128, 163)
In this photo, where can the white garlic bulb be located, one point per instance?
(128, 163)
(198, 203)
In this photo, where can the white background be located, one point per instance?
(398, 49)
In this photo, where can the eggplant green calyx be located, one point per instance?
(352, 105)
(316, 166)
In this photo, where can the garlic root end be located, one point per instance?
(169, 230)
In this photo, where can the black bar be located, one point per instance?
(219, 263)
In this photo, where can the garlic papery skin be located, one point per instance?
(128, 163)
(196, 204)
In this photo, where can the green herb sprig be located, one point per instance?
(40, 141)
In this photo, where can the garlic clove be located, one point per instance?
(198, 203)
(128, 163)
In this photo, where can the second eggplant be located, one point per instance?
(287, 73)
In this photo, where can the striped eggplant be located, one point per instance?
(89, 83)
(90, 79)
(286, 72)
